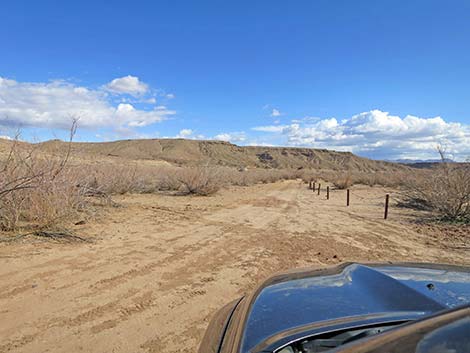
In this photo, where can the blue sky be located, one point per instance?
(383, 79)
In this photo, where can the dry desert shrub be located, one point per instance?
(346, 179)
(165, 179)
(445, 191)
(117, 179)
(36, 190)
(273, 175)
(202, 181)
(247, 177)
(110, 179)
(343, 181)
(381, 178)
(394, 179)
(54, 202)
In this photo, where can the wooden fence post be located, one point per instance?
(310, 184)
(319, 186)
(386, 206)
(327, 192)
(313, 186)
(347, 197)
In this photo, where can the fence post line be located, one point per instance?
(313, 186)
(327, 192)
(347, 197)
(319, 186)
(386, 206)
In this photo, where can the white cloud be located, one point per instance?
(260, 143)
(151, 100)
(231, 137)
(270, 128)
(378, 134)
(170, 96)
(5, 137)
(128, 115)
(53, 104)
(185, 133)
(307, 119)
(275, 113)
(127, 85)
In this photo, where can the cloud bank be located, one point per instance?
(377, 134)
(53, 104)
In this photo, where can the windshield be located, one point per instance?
(330, 340)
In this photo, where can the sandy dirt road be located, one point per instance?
(159, 266)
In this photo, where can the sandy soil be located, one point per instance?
(159, 266)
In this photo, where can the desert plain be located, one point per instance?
(156, 267)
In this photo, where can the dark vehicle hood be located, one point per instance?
(287, 306)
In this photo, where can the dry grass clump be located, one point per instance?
(445, 191)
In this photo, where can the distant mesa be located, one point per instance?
(220, 153)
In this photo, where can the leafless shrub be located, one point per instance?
(164, 179)
(343, 181)
(37, 190)
(198, 180)
(380, 178)
(445, 191)
(111, 179)
(238, 178)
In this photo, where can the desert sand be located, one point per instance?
(157, 267)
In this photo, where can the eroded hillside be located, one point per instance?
(198, 152)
